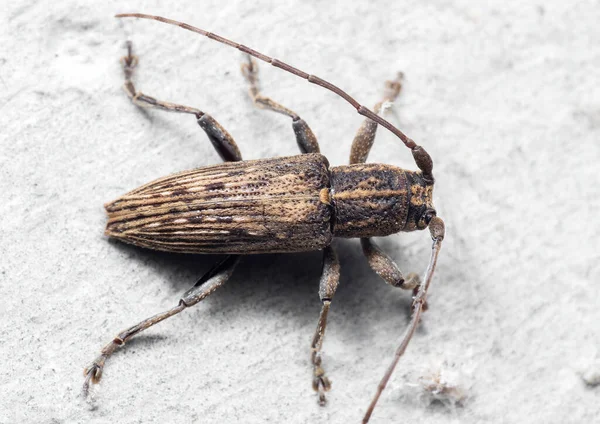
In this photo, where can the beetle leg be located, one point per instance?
(365, 137)
(307, 142)
(222, 141)
(327, 287)
(387, 269)
(205, 286)
(437, 231)
(129, 63)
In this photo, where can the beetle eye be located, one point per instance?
(429, 214)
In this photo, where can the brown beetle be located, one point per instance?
(289, 204)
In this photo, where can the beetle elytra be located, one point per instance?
(288, 204)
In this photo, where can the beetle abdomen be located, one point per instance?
(261, 206)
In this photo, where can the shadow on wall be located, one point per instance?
(284, 286)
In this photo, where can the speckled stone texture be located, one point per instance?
(504, 96)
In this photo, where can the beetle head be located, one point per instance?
(420, 206)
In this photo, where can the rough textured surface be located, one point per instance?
(370, 200)
(256, 206)
(506, 100)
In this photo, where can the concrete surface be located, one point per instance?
(505, 97)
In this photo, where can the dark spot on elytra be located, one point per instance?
(180, 192)
(215, 186)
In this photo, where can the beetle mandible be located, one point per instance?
(289, 204)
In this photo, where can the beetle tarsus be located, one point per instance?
(250, 72)
(93, 374)
(392, 90)
(321, 383)
(129, 62)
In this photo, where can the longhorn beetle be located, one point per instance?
(289, 204)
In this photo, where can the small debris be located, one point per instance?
(443, 386)
(385, 106)
(591, 377)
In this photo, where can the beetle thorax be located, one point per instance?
(373, 200)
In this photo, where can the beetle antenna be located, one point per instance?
(278, 64)
(436, 227)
